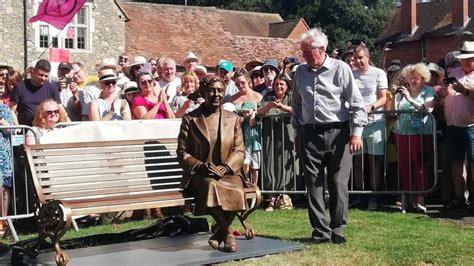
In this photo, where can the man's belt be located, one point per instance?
(326, 126)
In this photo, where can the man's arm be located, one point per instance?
(356, 107)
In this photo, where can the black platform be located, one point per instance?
(177, 250)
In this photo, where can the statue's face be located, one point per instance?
(214, 94)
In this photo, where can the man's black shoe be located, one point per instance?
(338, 240)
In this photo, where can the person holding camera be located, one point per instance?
(414, 131)
(69, 92)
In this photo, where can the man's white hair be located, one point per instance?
(318, 38)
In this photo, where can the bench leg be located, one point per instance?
(54, 220)
(250, 233)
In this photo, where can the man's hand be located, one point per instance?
(355, 144)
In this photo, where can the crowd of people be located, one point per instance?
(336, 106)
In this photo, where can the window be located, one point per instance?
(44, 36)
(74, 36)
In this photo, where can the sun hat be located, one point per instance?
(107, 74)
(252, 64)
(248, 106)
(200, 68)
(6, 66)
(137, 60)
(393, 68)
(63, 65)
(253, 70)
(467, 51)
(273, 63)
(191, 56)
(108, 63)
(437, 69)
(226, 65)
(130, 87)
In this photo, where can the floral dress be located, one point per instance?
(5, 148)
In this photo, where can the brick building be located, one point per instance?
(108, 28)
(156, 30)
(97, 31)
(428, 30)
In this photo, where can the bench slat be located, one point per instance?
(130, 206)
(107, 156)
(112, 170)
(99, 149)
(84, 179)
(104, 193)
(119, 199)
(103, 164)
(109, 184)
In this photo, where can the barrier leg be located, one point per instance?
(11, 228)
(404, 202)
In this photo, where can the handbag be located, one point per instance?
(283, 202)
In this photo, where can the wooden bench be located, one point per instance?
(72, 179)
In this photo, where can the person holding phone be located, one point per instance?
(459, 113)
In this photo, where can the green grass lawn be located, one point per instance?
(373, 238)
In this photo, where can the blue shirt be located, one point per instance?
(327, 94)
(28, 96)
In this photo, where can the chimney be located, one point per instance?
(408, 16)
(459, 13)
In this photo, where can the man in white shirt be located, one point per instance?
(169, 82)
(373, 85)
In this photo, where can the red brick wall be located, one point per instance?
(408, 12)
(298, 30)
(459, 12)
(408, 53)
(437, 48)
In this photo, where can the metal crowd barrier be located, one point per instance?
(20, 192)
(274, 131)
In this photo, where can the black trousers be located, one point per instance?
(325, 153)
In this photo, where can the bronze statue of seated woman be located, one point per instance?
(211, 152)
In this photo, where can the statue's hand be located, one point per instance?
(223, 169)
(203, 169)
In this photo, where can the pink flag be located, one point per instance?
(58, 55)
(57, 12)
(70, 33)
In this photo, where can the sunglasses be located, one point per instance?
(145, 82)
(110, 82)
(51, 112)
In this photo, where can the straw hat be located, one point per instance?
(137, 60)
(107, 74)
(108, 63)
(191, 56)
(467, 51)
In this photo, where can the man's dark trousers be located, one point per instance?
(327, 146)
